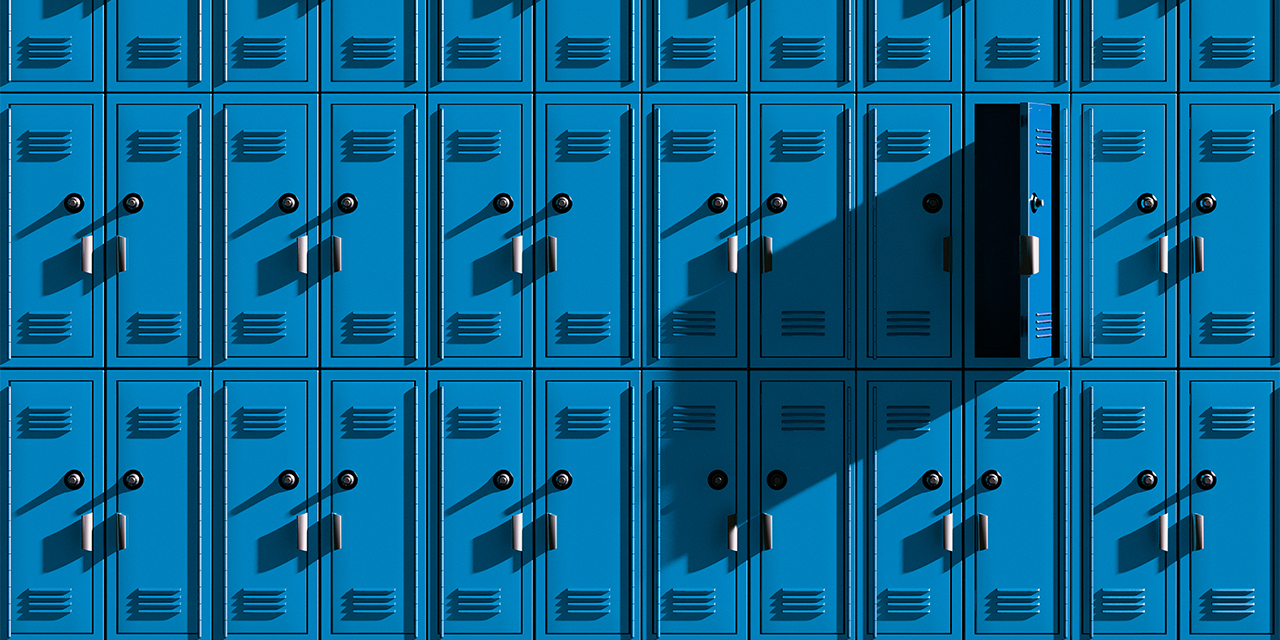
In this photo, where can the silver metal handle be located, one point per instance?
(302, 254)
(733, 533)
(1163, 248)
(302, 531)
(1029, 251)
(337, 254)
(86, 254)
(337, 531)
(732, 246)
(86, 532)
(553, 254)
(552, 532)
(766, 532)
(946, 254)
(766, 254)
(1199, 258)
(1199, 546)
(517, 532)
(121, 536)
(517, 254)
(120, 254)
(948, 539)
(1163, 524)
(983, 532)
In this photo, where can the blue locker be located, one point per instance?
(1228, 503)
(588, 495)
(587, 45)
(266, 503)
(695, 45)
(1229, 46)
(802, 175)
(1125, 46)
(1017, 503)
(909, 225)
(907, 45)
(52, 46)
(802, 495)
(1228, 241)
(157, 260)
(1126, 273)
(267, 300)
(378, 46)
(373, 494)
(483, 472)
(695, 224)
(914, 502)
(587, 211)
(1013, 45)
(158, 46)
(802, 46)
(1128, 507)
(696, 511)
(481, 45)
(481, 205)
(53, 264)
(374, 215)
(53, 486)
(266, 45)
(1035, 144)
(158, 464)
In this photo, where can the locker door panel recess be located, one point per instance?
(1229, 47)
(373, 46)
(478, 45)
(53, 47)
(588, 45)
(910, 46)
(157, 46)
(802, 46)
(265, 46)
(1126, 46)
(692, 45)
(1017, 46)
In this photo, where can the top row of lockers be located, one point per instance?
(633, 45)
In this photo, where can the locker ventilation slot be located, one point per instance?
(155, 51)
(585, 326)
(1229, 420)
(585, 143)
(156, 143)
(44, 326)
(1044, 143)
(1229, 326)
(476, 143)
(1122, 602)
(45, 602)
(369, 50)
(801, 143)
(155, 326)
(904, 51)
(45, 421)
(371, 326)
(477, 421)
(589, 602)
(260, 326)
(370, 143)
(1122, 50)
(683, 417)
(476, 50)
(701, 602)
(45, 143)
(476, 326)
(476, 602)
(1229, 143)
(261, 51)
(1122, 143)
(1013, 51)
(152, 421)
(1229, 602)
(45, 51)
(692, 324)
(1122, 420)
(801, 417)
(155, 602)
(1014, 602)
(800, 50)
(904, 602)
(585, 50)
(1229, 50)
(376, 421)
(691, 143)
(693, 50)
(1122, 326)
(1044, 325)
(900, 324)
(261, 143)
(261, 421)
(260, 602)
(585, 420)
(804, 323)
(908, 417)
(1015, 419)
(894, 144)
(803, 602)
(369, 602)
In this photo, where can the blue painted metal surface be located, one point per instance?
(165, 46)
(588, 45)
(910, 46)
(373, 46)
(694, 45)
(1125, 46)
(52, 46)
(266, 45)
(1229, 47)
(481, 45)
(802, 46)
(1017, 46)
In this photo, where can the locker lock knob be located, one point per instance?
(1206, 480)
(132, 203)
(932, 203)
(1206, 203)
(132, 479)
(777, 203)
(503, 202)
(347, 203)
(348, 479)
(1147, 203)
(718, 479)
(718, 203)
(73, 480)
(503, 480)
(991, 479)
(288, 479)
(288, 203)
(562, 479)
(776, 479)
(1147, 480)
(73, 203)
(1036, 202)
(932, 480)
(562, 203)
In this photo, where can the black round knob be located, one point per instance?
(561, 479)
(503, 480)
(132, 479)
(562, 203)
(991, 479)
(1036, 202)
(348, 479)
(1147, 203)
(1206, 480)
(718, 479)
(132, 203)
(1147, 480)
(503, 202)
(932, 203)
(288, 479)
(73, 203)
(288, 203)
(73, 480)
(777, 203)
(776, 479)
(718, 203)
(347, 203)
(932, 479)
(1206, 203)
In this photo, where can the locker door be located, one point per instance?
(1127, 310)
(54, 214)
(156, 566)
(911, 299)
(374, 204)
(1230, 47)
(914, 502)
(587, 45)
(52, 46)
(802, 46)
(804, 195)
(158, 46)
(1017, 46)
(484, 199)
(268, 475)
(588, 296)
(1229, 568)
(266, 228)
(802, 561)
(372, 564)
(1229, 173)
(1017, 560)
(266, 45)
(587, 570)
(692, 41)
(486, 463)
(698, 292)
(482, 45)
(375, 46)
(1127, 46)
(54, 481)
(159, 226)
(911, 46)
(1128, 427)
(1037, 227)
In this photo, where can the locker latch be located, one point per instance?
(288, 479)
(1206, 480)
(503, 480)
(73, 203)
(132, 479)
(932, 480)
(348, 479)
(562, 479)
(73, 480)
(991, 479)
(1147, 480)
(776, 479)
(718, 479)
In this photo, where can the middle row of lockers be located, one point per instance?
(711, 230)
(613, 504)
(624, 45)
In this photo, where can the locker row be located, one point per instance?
(611, 505)
(791, 231)
(630, 45)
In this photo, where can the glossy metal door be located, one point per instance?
(52, 46)
(910, 46)
(1036, 152)
(266, 45)
(1126, 45)
(1017, 46)
(587, 45)
(1229, 47)
(378, 46)
(802, 46)
(482, 45)
(693, 45)
(158, 46)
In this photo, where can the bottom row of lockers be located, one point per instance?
(615, 504)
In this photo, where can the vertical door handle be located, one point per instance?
(302, 254)
(302, 531)
(120, 254)
(86, 254)
(1029, 253)
(337, 531)
(732, 247)
(337, 254)
(948, 539)
(517, 254)
(553, 532)
(1163, 249)
(946, 254)
(1199, 532)
(1163, 524)
(517, 532)
(1199, 257)
(766, 254)
(553, 254)
(121, 536)
(733, 533)
(766, 532)
(983, 530)
(86, 532)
